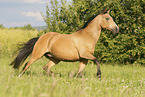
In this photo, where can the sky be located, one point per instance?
(17, 13)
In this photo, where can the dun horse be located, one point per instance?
(78, 46)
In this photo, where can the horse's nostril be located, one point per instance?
(117, 29)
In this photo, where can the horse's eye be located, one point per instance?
(107, 18)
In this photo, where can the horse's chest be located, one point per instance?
(90, 48)
(86, 47)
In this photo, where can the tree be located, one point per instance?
(1, 26)
(28, 27)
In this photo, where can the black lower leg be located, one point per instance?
(98, 68)
(99, 74)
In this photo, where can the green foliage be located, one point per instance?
(123, 48)
(1, 26)
(127, 46)
(26, 27)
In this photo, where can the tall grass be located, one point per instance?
(10, 38)
(117, 80)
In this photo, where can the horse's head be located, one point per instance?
(108, 23)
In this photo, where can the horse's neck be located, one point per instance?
(93, 30)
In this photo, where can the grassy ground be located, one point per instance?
(117, 80)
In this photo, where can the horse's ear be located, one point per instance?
(108, 11)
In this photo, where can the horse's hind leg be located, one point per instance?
(36, 54)
(32, 59)
(81, 66)
(27, 65)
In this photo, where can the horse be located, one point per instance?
(78, 46)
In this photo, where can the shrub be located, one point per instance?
(1, 26)
(28, 27)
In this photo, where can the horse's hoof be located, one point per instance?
(44, 68)
(99, 75)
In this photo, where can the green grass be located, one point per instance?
(117, 80)
(10, 38)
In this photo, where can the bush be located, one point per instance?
(1, 26)
(127, 46)
(28, 27)
(124, 48)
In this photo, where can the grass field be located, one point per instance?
(10, 38)
(117, 80)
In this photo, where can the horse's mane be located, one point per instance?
(90, 19)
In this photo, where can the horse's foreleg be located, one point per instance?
(91, 57)
(48, 66)
(81, 66)
(98, 69)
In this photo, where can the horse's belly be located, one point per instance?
(67, 57)
(64, 50)
(65, 54)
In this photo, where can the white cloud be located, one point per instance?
(20, 12)
(36, 15)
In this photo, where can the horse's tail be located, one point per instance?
(25, 51)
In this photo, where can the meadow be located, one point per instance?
(118, 80)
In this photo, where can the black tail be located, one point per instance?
(25, 51)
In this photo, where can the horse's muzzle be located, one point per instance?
(115, 29)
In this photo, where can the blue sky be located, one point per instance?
(17, 13)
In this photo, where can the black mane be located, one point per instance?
(90, 19)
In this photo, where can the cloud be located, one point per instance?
(36, 15)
